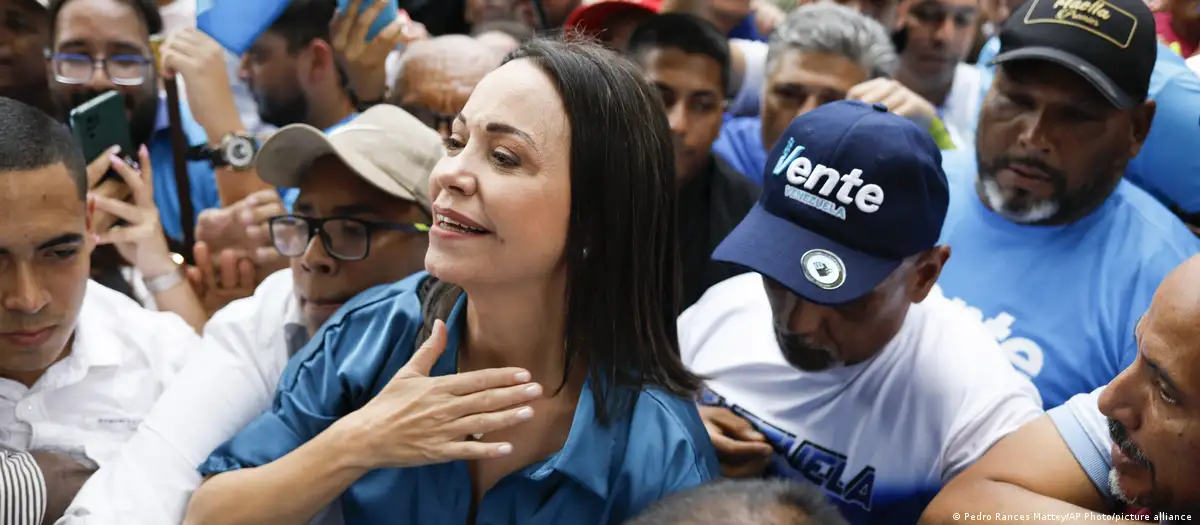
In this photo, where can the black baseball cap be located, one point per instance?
(1111, 43)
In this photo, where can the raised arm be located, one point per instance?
(1029, 472)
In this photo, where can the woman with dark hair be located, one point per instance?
(532, 376)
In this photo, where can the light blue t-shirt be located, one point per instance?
(289, 195)
(1062, 300)
(740, 144)
(1168, 166)
(601, 475)
(200, 172)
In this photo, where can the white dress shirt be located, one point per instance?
(246, 346)
(90, 402)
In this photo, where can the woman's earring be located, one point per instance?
(585, 253)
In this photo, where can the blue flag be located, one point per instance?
(236, 24)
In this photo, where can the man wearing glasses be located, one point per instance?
(359, 221)
(103, 45)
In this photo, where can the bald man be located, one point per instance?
(1131, 447)
(435, 77)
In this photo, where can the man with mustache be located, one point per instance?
(1130, 447)
(1052, 248)
(103, 45)
(1161, 167)
(834, 364)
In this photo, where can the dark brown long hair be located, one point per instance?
(623, 297)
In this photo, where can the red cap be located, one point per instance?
(591, 18)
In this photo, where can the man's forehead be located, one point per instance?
(1051, 78)
(798, 64)
(100, 21)
(1170, 338)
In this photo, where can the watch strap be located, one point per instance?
(164, 282)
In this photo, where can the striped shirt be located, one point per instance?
(22, 489)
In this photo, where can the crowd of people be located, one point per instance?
(646, 262)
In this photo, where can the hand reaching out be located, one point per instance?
(897, 98)
(141, 241)
(217, 284)
(201, 61)
(742, 451)
(422, 420)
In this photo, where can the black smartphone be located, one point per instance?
(99, 124)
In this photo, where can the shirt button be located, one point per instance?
(879, 107)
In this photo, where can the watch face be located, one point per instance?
(239, 152)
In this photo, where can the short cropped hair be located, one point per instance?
(31, 139)
(147, 11)
(686, 33)
(744, 502)
(833, 28)
(304, 21)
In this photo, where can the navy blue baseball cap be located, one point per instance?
(849, 191)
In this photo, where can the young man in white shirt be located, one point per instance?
(850, 370)
(80, 364)
(1130, 449)
(359, 221)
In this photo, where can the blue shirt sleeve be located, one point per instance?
(348, 361)
(1168, 167)
(1083, 428)
(668, 451)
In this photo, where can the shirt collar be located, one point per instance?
(96, 343)
(587, 455)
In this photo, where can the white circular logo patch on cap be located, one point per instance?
(824, 269)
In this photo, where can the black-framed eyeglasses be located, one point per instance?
(344, 238)
(122, 70)
(933, 12)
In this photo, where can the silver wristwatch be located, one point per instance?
(162, 283)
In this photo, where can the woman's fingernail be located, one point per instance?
(525, 413)
(504, 449)
(522, 377)
(533, 390)
(115, 159)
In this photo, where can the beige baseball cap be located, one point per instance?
(384, 145)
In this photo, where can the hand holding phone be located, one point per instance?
(100, 125)
(384, 11)
(365, 55)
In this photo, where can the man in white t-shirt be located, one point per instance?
(1130, 448)
(80, 365)
(839, 362)
(360, 220)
